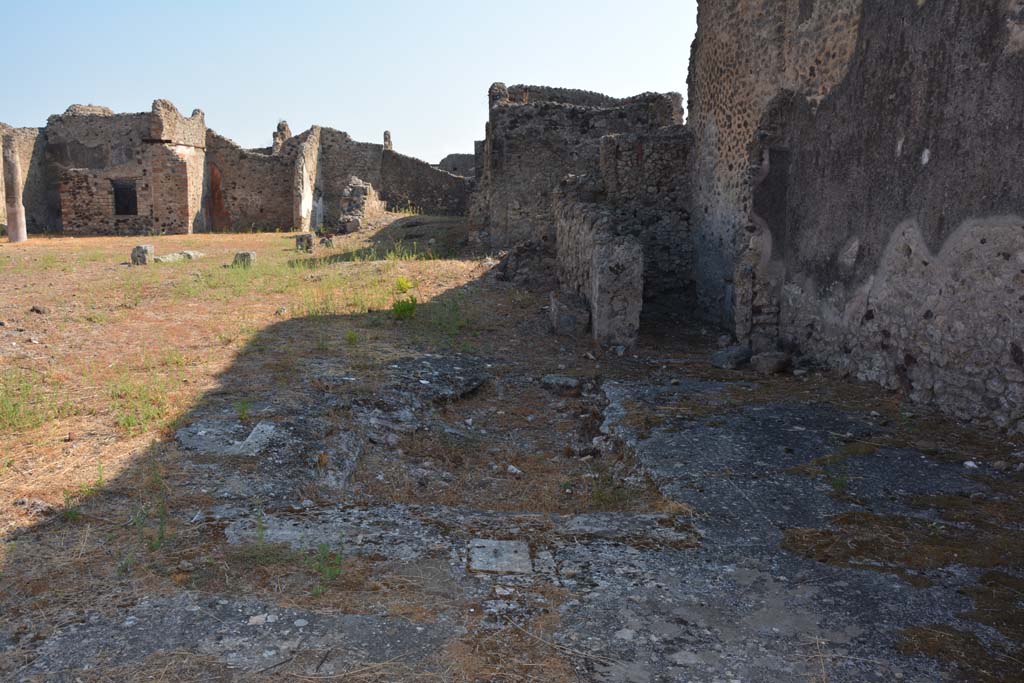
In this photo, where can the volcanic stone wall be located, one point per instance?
(645, 181)
(622, 234)
(340, 158)
(248, 190)
(409, 183)
(459, 164)
(894, 208)
(745, 53)
(160, 154)
(858, 194)
(307, 197)
(535, 136)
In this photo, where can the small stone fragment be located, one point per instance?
(143, 254)
(731, 358)
(178, 256)
(244, 259)
(513, 470)
(561, 385)
(351, 224)
(40, 310)
(304, 242)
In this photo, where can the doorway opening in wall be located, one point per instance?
(126, 201)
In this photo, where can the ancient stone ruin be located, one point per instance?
(846, 186)
(90, 171)
(837, 190)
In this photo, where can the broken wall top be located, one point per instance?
(671, 102)
(92, 126)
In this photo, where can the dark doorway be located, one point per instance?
(217, 217)
(126, 201)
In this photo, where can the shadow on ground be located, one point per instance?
(459, 496)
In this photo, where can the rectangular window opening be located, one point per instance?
(126, 201)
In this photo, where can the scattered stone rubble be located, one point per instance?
(144, 254)
(735, 218)
(707, 590)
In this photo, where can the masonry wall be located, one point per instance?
(341, 157)
(598, 262)
(745, 53)
(858, 194)
(308, 207)
(161, 152)
(634, 211)
(459, 164)
(893, 208)
(248, 190)
(412, 183)
(644, 179)
(535, 136)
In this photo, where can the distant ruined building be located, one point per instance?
(846, 183)
(90, 171)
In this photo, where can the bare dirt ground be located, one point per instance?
(374, 463)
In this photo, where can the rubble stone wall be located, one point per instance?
(893, 209)
(644, 178)
(536, 136)
(604, 267)
(459, 164)
(188, 178)
(340, 158)
(409, 183)
(249, 191)
(745, 53)
(637, 203)
(88, 149)
(307, 198)
(857, 189)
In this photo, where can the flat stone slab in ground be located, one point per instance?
(499, 557)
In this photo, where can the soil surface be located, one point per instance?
(291, 472)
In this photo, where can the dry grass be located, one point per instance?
(124, 353)
(90, 394)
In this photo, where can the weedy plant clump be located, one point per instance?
(404, 309)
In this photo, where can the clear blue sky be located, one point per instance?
(419, 68)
